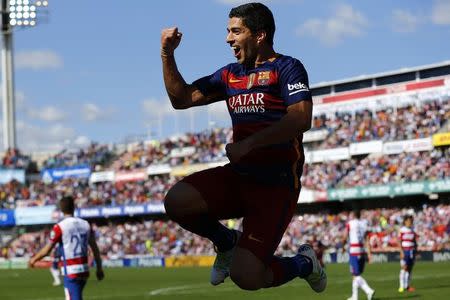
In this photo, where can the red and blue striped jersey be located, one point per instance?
(72, 234)
(407, 238)
(258, 97)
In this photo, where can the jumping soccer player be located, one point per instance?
(270, 105)
(357, 237)
(408, 248)
(73, 235)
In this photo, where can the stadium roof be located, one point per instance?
(379, 75)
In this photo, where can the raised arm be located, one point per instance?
(181, 94)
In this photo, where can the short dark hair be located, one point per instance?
(408, 217)
(67, 204)
(357, 213)
(257, 17)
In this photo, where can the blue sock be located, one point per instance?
(285, 269)
(222, 237)
(304, 264)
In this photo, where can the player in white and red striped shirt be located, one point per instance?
(356, 235)
(407, 249)
(72, 235)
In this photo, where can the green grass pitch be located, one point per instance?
(432, 281)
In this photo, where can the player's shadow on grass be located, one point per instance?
(439, 286)
(410, 296)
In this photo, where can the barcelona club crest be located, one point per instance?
(263, 78)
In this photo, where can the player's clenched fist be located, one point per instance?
(170, 39)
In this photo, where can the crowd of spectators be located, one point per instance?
(14, 194)
(322, 176)
(95, 156)
(14, 159)
(206, 146)
(401, 168)
(371, 170)
(392, 123)
(384, 169)
(431, 224)
(344, 127)
(164, 238)
(389, 124)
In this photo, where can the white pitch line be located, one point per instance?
(188, 289)
(120, 296)
(191, 289)
(170, 289)
(203, 288)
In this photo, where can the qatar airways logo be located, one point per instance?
(247, 103)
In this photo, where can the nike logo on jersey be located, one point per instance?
(234, 80)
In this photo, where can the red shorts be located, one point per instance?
(266, 208)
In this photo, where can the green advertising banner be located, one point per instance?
(19, 263)
(14, 263)
(390, 190)
(5, 264)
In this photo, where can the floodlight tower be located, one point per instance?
(14, 13)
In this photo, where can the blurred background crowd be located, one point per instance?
(163, 237)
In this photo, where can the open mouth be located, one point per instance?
(236, 51)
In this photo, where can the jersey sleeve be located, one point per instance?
(214, 83)
(55, 234)
(294, 83)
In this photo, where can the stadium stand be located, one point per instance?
(391, 124)
(385, 142)
(164, 238)
(95, 155)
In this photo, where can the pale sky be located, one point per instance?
(91, 71)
